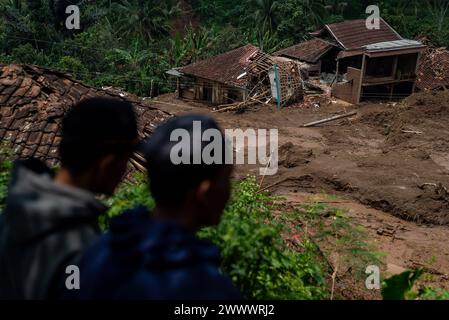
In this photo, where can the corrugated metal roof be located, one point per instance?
(224, 68)
(394, 45)
(354, 34)
(309, 51)
(174, 72)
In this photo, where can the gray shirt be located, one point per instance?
(43, 229)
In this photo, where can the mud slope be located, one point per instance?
(391, 156)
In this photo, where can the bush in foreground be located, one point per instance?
(252, 248)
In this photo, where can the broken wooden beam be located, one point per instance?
(315, 123)
(138, 166)
(412, 131)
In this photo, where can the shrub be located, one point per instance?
(338, 236)
(73, 66)
(402, 287)
(129, 195)
(252, 249)
(254, 253)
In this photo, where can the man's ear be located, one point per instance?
(105, 163)
(203, 189)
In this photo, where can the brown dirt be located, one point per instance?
(391, 163)
(369, 156)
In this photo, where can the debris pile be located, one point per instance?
(433, 70)
(33, 101)
(267, 78)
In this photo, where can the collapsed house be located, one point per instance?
(433, 70)
(216, 80)
(358, 63)
(33, 101)
(238, 78)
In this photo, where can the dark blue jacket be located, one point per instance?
(144, 258)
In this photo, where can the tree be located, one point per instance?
(145, 19)
(266, 14)
(438, 10)
(315, 11)
(337, 7)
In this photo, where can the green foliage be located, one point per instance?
(129, 195)
(254, 253)
(401, 287)
(6, 159)
(433, 294)
(74, 66)
(28, 55)
(265, 14)
(132, 43)
(349, 245)
(143, 19)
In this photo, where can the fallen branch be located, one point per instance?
(266, 169)
(275, 184)
(334, 279)
(315, 123)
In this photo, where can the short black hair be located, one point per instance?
(169, 183)
(96, 127)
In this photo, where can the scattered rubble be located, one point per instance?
(433, 70)
(267, 77)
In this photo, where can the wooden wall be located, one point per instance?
(348, 91)
(211, 92)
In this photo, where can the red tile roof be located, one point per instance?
(354, 34)
(224, 68)
(33, 101)
(309, 51)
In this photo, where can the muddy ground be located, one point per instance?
(389, 164)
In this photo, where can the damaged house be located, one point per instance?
(240, 78)
(359, 63)
(216, 80)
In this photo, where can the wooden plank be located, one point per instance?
(371, 84)
(362, 77)
(315, 123)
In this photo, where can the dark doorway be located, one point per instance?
(207, 94)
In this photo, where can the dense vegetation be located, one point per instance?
(130, 43)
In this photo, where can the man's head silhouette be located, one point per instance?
(194, 194)
(98, 137)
